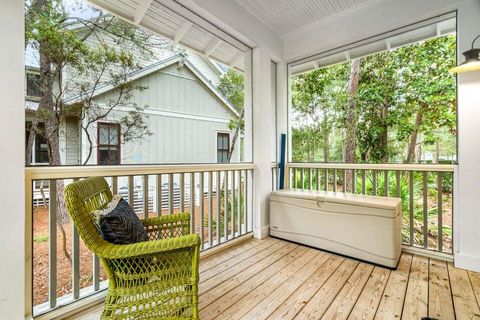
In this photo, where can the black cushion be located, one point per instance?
(120, 225)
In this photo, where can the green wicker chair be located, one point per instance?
(156, 279)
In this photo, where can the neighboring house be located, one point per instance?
(187, 116)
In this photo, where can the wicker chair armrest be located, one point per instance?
(183, 218)
(115, 251)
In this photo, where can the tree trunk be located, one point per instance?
(235, 136)
(384, 139)
(351, 124)
(30, 141)
(50, 116)
(413, 138)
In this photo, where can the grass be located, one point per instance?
(40, 239)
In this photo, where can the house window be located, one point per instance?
(40, 144)
(41, 149)
(223, 147)
(108, 141)
(33, 85)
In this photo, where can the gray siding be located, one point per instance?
(184, 116)
(72, 133)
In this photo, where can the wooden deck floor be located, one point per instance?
(275, 279)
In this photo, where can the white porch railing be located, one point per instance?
(426, 192)
(218, 196)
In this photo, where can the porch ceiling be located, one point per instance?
(176, 25)
(288, 16)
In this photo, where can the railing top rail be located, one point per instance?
(70, 172)
(377, 166)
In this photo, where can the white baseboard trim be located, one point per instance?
(261, 233)
(468, 262)
(428, 253)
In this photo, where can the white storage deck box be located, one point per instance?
(364, 227)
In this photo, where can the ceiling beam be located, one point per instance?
(236, 59)
(141, 11)
(211, 46)
(182, 31)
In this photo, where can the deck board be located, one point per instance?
(342, 306)
(272, 301)
(275, 279)
(224, 301)
(319, 303)
(368, 302)
(391, 305)
(466, 306)
(440, 303)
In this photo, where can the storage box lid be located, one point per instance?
(340, 197)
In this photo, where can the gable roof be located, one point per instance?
(161, 65)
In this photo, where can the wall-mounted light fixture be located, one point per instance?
(472, 60)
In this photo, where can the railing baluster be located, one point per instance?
(76, 257)
(75, 263)
(290, 178)
(334, 180)
(201, 210)
(397, 184)
(246, 199)
(318, 179)
(182, 193)
(192, 202)
(114, 185)
(52, 245)
(273, 180)
(354, 180)
(425, 210)
(374, 184)
(145, 196)
(210, 207)
(411, 198)
(344, 177)
(131, 197)
(364, 181)
(440, 210)
(95, 259)
(218, 207)
(159, 195)
(232, 205)
(239, 203)
(302, 178)
(310, 179)
(325, 178)
(225, 206)
(295, 180)
(385, 183)
(171, 204)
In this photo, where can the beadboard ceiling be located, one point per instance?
(288, 16)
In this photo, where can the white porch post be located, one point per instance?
(467, 192)
(263, 112)
(12, 146)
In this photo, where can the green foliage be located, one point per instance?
(231, 86)
(77, 57)
(394, 88)
(41, 239)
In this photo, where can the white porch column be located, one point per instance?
(467, 191)
(263, 112)
(12, 161)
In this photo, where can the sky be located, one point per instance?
(77, 8)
